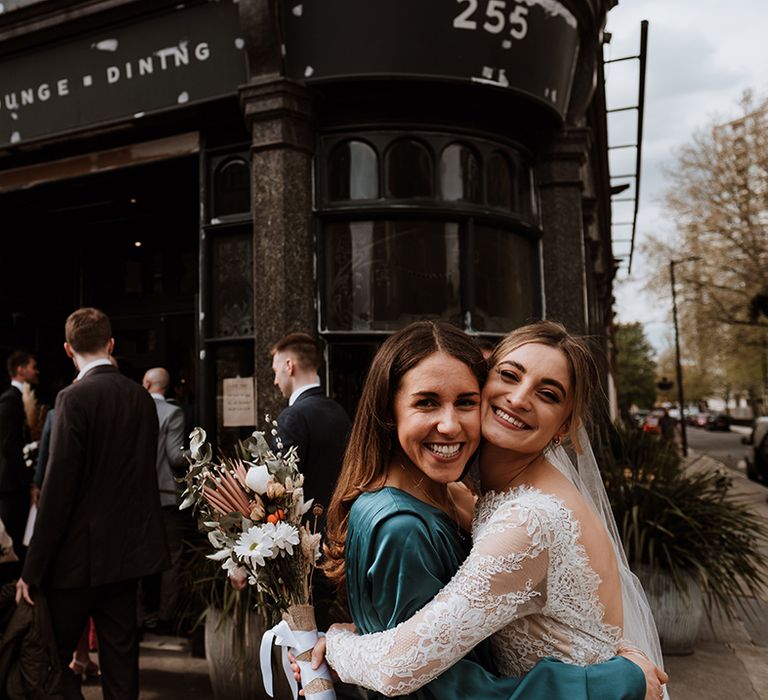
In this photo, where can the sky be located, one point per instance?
(702, 54)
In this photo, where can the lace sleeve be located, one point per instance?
(502, 579)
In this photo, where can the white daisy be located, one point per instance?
(285, 537)
(256, 545)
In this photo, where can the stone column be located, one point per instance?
(278, 112)
(559, 176)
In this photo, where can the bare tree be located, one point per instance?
(718, 198)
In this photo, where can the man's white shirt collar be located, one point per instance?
(19, 385)
(156, 396)
(295, 395)
(96, 363)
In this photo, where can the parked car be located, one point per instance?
(757, 457)
(701, 419)
(718, 421)
(652, 423)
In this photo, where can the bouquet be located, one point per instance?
(252, 508)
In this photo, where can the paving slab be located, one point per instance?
(713, 672)
(167, 671)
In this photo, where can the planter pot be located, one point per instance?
(677, 615)
(232, 644)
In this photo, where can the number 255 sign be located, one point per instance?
(528, 47)
(497, 18)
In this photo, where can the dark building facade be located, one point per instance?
(217, 174)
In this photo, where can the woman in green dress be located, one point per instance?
(397, 524)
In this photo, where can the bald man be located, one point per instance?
(160, 592)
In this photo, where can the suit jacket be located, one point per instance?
(15, 476)
(45, 448)
(319, 427)
(99, 519)
(170, 457)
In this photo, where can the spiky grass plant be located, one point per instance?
(684, 522)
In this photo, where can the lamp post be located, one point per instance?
(678, 366)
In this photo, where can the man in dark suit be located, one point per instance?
(314, 423)
(15, 476)
(99, 527)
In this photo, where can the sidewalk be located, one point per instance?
(168, 672)
(731, 658)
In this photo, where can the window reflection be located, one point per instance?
(501, 182)
(460, 174)
(381, 275)
(506, 280)
(526, 200)
(231, 188)
(409, 170)
(353, 172)
(232, 277)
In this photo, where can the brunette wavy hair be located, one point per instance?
(584, 374)
(374, 438)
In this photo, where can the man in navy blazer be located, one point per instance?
(99, 526)
(314, 423)
(318, 427)
(15, 476)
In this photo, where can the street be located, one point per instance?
(725, 447)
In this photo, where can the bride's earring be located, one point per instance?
(557, 440)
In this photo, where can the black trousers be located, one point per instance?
(113, 609)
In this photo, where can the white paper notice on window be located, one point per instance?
(239, 404)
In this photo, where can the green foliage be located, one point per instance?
(636, 368)
(683, 521)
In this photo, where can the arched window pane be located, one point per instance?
(409, 170)
(353, 172)
(527, 204)
(507, 286)
(501, 182)
(231, 188)
(460, 174)
(381, 275)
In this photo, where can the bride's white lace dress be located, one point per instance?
(527, 582)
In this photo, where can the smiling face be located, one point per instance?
(527, 399)
(437, 414)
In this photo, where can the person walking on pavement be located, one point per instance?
(161, 591)
(99, 525)
(15, 476)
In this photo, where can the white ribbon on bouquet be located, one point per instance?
(297, 642)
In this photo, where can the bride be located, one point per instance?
(545, 578)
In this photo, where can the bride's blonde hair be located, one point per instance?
(584, 375)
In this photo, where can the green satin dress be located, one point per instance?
(399, 553)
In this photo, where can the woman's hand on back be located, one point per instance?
(654, 676)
